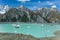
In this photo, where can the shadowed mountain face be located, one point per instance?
(51, 15)
(22, 14)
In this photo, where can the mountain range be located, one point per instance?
(23, 14)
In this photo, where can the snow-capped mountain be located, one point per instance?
(6, 7)
(3, 9)
(23, 14)
(49, 14)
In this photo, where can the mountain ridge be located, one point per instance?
(23, 14)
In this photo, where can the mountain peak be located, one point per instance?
(3, 9)
(39, 8)
(21, 6)
(6, 7)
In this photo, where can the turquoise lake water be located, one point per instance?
(37, 30)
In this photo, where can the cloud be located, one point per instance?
(53, 6)
(23, 0)
(2, 12)
(49, 3)
(39, 1)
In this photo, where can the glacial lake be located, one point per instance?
(35, 29)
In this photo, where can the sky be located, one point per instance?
(36, 30)
(32, 4)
